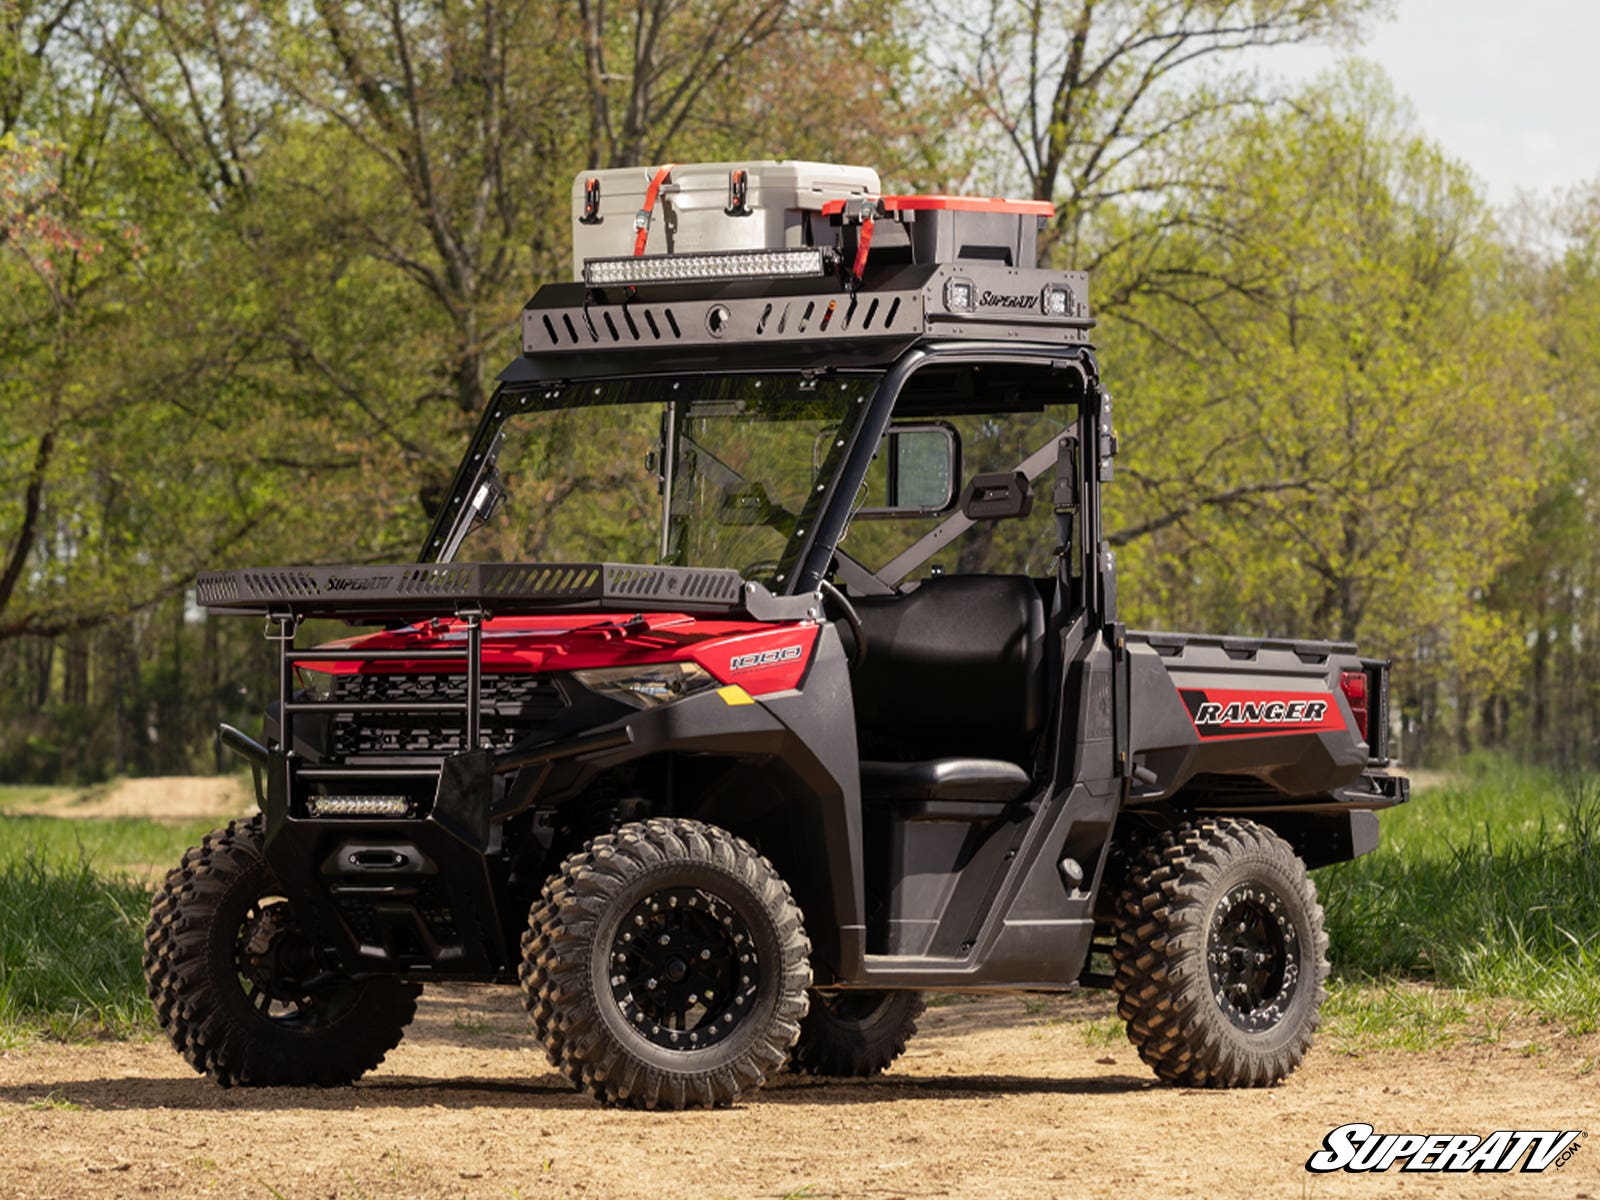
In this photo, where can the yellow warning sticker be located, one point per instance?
(734, 694)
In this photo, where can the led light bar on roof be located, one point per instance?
(689, 268)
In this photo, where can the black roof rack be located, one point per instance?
(418, 590)
(897, 305)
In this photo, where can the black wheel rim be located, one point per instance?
(1253, 957)
(275, 962)
(684, 968)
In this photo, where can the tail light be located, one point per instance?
(1354, 686)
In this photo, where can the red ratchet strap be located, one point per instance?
(641, 222)
(863, 244)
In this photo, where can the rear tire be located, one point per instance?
(222, 958)
(1220, 956)
(666, 967)
(855, 1033)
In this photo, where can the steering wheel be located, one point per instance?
(831, 594)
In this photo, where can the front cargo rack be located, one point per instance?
(415, 590)
(474, 592)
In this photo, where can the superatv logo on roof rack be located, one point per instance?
(1001, 300)
(345, 583)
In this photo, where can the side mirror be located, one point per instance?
(997, 497)
(915, 472)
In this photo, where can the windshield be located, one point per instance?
(703, 471)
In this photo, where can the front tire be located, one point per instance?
(855, 1033)
(1220, 956)
(666, 967)
(224, 959)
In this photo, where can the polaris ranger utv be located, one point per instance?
(761, 671)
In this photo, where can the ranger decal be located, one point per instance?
(1247, 712)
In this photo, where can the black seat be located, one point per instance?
(946, 789)
(955, 670)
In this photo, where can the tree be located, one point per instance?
(1101, 102)
(1329, 400)
(1550, 589)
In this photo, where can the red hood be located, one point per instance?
(732, 651)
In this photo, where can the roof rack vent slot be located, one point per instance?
(611, 327)
(783, 318)
(761, 325)
(872, 311)
(650, 320)
(672, 323)
(572, 330)
(627, 319)
(550, 328)
(888, 317)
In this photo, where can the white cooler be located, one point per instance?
(705, 207)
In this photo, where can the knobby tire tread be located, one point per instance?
(202, 1020)
(1160, 974)
(556, 956)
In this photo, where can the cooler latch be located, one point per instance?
(738, 193)
(591, 201)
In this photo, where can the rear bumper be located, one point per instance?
(1337, 827)
(1377, 788)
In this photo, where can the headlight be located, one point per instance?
(647, 686)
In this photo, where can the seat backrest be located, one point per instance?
(955, 667)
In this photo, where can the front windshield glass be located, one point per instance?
(704, 471)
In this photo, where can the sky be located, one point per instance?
(1511, 89)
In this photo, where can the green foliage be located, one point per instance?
(72, 916)
(112, 846)
(1490, 884)
(1330, 416)
(69, 951)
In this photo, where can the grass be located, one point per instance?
(53, 1102)
(74, 896)
(1488, 886)
(28, 793)
(113, 846)
(69, 952)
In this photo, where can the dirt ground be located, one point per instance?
(162, 798)
(996, 1098)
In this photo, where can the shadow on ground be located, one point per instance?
(547, 1092)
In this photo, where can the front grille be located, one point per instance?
(513, 707)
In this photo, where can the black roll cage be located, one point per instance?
(1092, 448)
